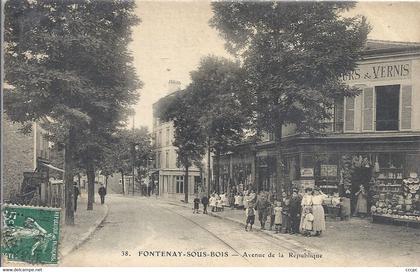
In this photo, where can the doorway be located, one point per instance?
(360, 176)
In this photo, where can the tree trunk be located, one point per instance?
(280, 183)
(122, 182)
(217, 171)
(186, 183)
(90, 172)
(208, 169)
(68, 177)
(106, 182)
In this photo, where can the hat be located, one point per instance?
(316, 188)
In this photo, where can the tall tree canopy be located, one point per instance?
(294, 53)
(69, 60)
(218, 91)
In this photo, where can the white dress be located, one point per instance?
(306, 202)
(318, 212)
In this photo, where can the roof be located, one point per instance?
(373, 47)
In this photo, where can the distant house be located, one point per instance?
(170, 176)
(22, 153)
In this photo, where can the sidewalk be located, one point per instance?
(358, 238)
(86, 222)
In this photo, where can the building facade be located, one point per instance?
(372, 140)
(21, 154)
(165, 169)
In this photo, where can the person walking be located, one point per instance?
(76, 195)
(102, 193)
(361, 204)
(294, 210)
(196, 204)
(205, 202)
(250, 217)
(318, 211)
(261, 206)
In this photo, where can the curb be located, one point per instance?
(86, 236)
(281, 238)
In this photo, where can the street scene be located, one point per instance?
(204, 134)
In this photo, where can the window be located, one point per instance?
(167, 159)
(387, 107)
(158, 160)
(167, 136)
(179, 184)
(160, 138)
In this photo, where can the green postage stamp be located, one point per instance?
(30, 234)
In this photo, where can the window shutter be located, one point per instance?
(368, 109)
(406, 100)
(349, 119)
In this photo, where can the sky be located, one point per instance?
(174, 35)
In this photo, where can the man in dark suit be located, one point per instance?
(295, 209)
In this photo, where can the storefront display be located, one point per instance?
(398, 200)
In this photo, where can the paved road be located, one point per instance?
(149, 226)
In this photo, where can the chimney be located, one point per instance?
(173, 86)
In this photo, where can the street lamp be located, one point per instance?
(135, 148)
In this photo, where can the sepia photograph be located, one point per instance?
(210, 134)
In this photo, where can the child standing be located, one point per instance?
(196, 204)
(278, 216)
(250, 217)
(307, 221)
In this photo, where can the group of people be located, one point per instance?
(292, 213)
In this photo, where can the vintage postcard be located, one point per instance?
(204, 134)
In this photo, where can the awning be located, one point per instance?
(52, 167)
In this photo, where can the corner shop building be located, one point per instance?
(373, 137)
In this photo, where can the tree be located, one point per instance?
(294, 54)
(218, 93)
(68, 60)
(188, 136)
(118, 156)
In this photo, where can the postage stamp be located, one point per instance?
(30, 234)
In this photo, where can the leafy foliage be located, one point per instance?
(295, 53)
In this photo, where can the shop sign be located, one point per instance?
(328, 170)
(307, 172)
(379, 71)
(30, 234)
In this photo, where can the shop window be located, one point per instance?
(179, 184)
(387, 107)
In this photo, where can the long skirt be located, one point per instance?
(319, 218)
(361, 206)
